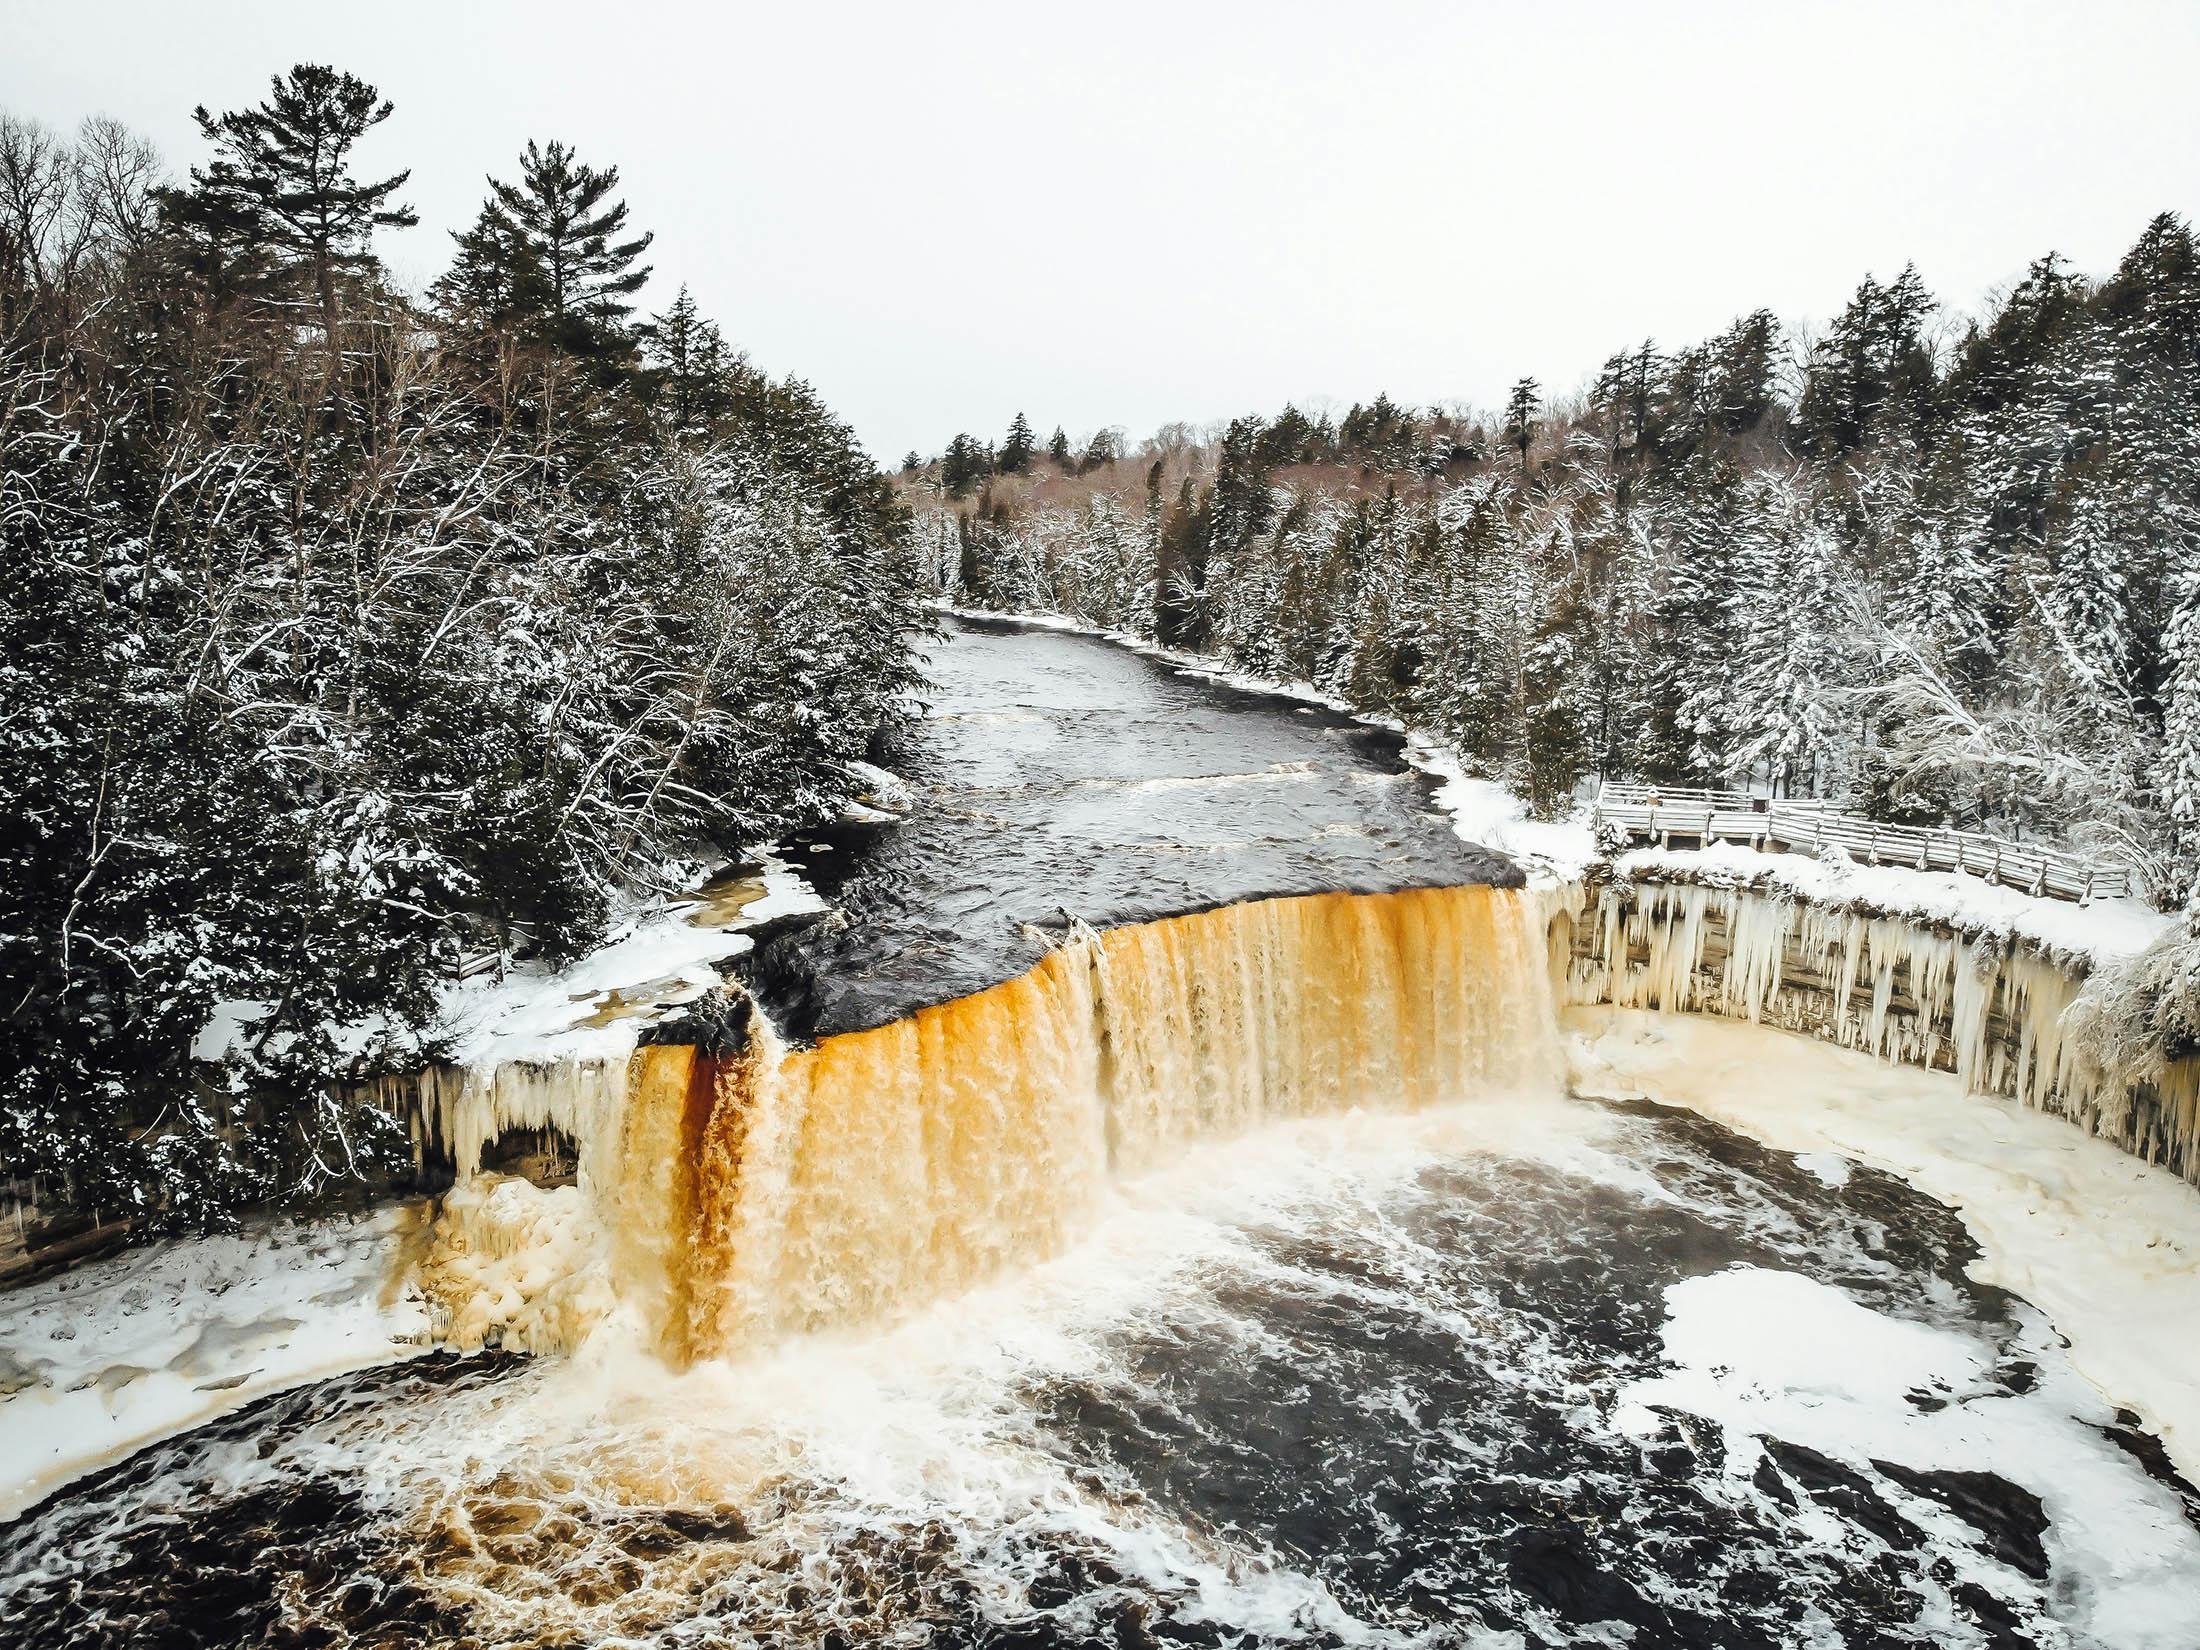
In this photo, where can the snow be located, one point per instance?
(595, 1007)
(101, 1359)
(2107, 1246)
(1765, 1352)
(2102, 931)
(660, 956)
(1486, 812)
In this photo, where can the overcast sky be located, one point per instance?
(1127, 214)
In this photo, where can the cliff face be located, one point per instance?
(1989, 1007)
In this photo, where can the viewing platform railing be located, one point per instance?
(1659, 814)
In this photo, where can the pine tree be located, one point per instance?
(963, 466)
(689, 355)
(1872, 373)
(1180, 564)
(1689, 733)
(1745, 360)
(1243, 505)
(2085, 607)
(1624, 394)
(2155, 294)
(1018, 449)
(283, 175)
(1555, 735)
(1058, 450)
(563, 221)
(1103, 449)
(1789, 667)
(494, 282)
(1521, 406)
(2180, 771)
(1942, 578)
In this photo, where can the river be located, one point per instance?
(1258, 1360)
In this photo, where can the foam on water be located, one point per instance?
(1497, 1372)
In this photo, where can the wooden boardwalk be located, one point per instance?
(1669, 816)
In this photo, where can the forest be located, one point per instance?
(1945, 569)
(348, 632)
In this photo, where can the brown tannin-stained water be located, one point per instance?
(1229, 1273)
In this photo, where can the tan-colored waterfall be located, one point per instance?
(740, 1198)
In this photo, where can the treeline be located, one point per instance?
(346, 631)
(1950, 575)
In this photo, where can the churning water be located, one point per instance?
(1510, 1371)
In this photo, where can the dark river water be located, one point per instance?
(1060, 776)
(1529, 1371)
(1338, 1385)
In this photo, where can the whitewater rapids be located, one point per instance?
(1505, 1371)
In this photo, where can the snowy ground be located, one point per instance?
(2102, 931)
(2107, 1246)
(595, 1008)
(662, 954)
(102, 1358)
(105, 1357)
(2105, 930)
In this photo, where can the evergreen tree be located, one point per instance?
(1690, 737)
(1103, 449)
(1058, 450)
(1943, 580)
(562, 221)
(1790, 661)
(1521, 406)
(1291, 439)
(1744, 362)
(1180, 564)
(688, 354)
(1555, 734)
(283, 176)
(1623, 396)
(1018, 449)
(1242, 503)
(963, 466)
(1873, 373)
(494, 283)
(2181, 747)
(2085, 607)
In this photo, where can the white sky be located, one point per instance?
(1130, 213)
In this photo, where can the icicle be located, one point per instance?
(1993, 1013)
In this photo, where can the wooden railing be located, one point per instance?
(1658, 814)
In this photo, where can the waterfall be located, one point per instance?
(728, 1199)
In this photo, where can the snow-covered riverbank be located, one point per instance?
(105, 1357)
